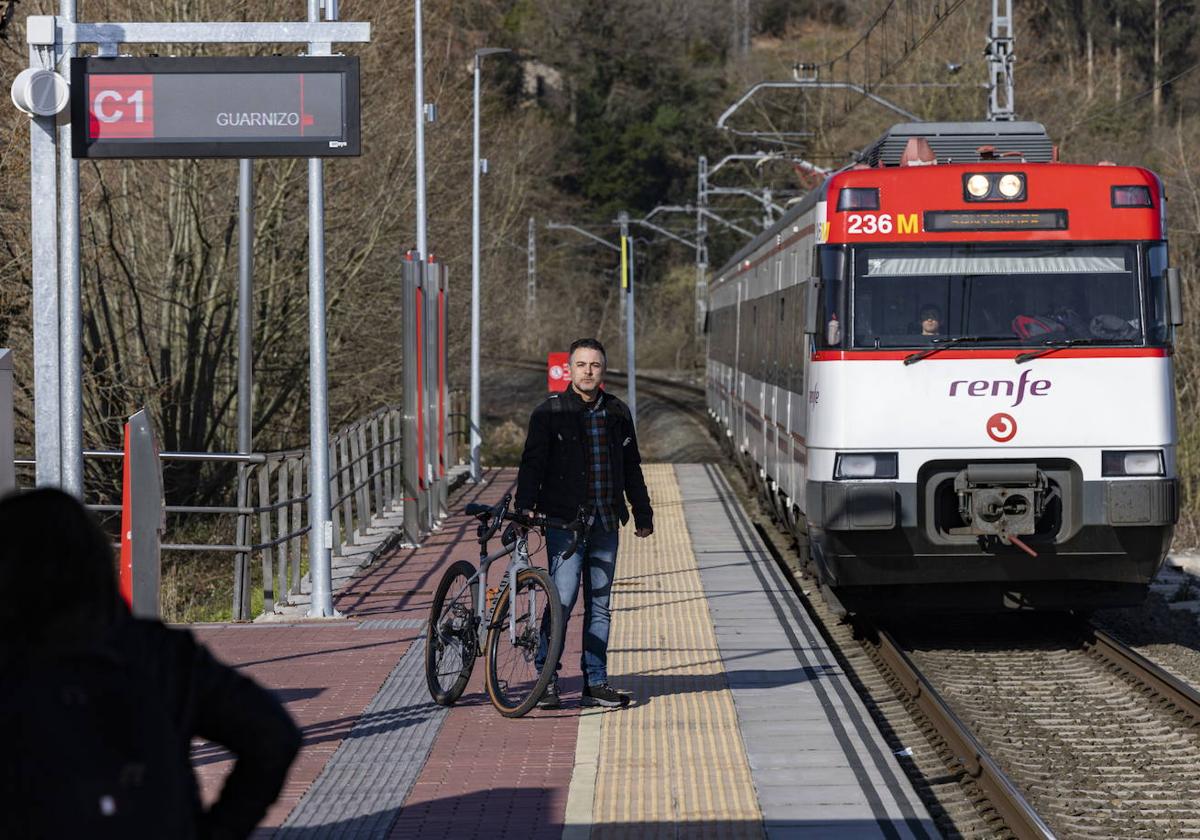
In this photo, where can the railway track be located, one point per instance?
(673, 424)
(618, 375)
(1096, 740)
(1042, 728)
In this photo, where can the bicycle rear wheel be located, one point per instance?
(452, 638)
(514, 682)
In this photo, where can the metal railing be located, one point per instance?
(366, 486)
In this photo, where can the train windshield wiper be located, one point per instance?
(1052, 344)
(950, 341)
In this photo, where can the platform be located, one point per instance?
(745, 724)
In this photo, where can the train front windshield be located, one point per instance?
(1002, 295)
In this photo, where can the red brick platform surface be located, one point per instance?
(516, 772)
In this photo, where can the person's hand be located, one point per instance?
(644, 532)
(526, 512)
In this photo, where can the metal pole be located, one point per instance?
(245, 374)
(43, 182)
(71, 320)
(410, 436)
(245, 305)
(630, 341)
(318, 417)
(419, 58)
(8, 475)
(431, 277)
(478, 168)
(531, 271)
(476, 437)
(701, 242)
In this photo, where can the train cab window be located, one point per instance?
(1026, 294)
(834, 316)
(1158, 319)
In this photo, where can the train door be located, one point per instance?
(739, 376)
(777, 315)
(802, 348)
(794, 374)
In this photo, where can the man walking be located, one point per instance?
(581, 451)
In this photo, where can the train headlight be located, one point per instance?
(1141, 462)
(994, 186)
(1010, 185)
(859, 465)
(979, 185)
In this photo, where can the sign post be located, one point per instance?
(558, 375)
(179, 107)
(630, 333)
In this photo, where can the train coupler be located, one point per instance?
(1002, 502)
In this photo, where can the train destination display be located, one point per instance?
(215, 107)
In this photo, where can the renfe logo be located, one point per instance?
(1001, 387)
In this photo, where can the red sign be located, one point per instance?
(558, 372)
(120, 106)
(1001, 427)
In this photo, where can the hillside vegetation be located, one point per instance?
(601, 107)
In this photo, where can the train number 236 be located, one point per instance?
(869, 223)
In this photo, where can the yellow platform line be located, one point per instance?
(674, 765)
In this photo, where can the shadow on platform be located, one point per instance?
(521, 813)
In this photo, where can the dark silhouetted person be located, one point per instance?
(99, 709)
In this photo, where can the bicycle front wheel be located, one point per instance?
(514, 682)
(452, 639)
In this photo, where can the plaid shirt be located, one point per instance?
(600, 474)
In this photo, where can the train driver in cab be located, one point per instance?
(931, 320)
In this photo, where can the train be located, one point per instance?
(949, 371)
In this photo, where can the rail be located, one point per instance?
(1155, 678)
(270, 517)
(1020, 817)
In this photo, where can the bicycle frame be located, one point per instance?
(521, 561)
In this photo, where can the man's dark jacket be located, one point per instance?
(554, 466)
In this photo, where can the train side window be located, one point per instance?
(1158, 318)
(831, 261)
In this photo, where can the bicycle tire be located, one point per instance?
(452, 627)
(515, 700)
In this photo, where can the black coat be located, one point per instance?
(554, 466)
(190, 694)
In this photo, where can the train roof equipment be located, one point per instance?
(964, 142)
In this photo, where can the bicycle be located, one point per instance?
(460, 607)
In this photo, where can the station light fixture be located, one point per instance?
(994, 186)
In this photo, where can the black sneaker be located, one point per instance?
(603, 694)
(550, 698)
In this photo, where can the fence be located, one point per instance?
(366, 462)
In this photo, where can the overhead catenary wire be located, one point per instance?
(1128, 100)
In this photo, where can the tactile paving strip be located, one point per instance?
(391, 624)
(361, 789)
(673, 765)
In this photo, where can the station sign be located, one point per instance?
(558, 372)
(263, 106)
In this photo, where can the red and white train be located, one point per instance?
(950, 370)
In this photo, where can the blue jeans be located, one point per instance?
(597, 554)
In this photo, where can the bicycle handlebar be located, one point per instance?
(499, 512)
